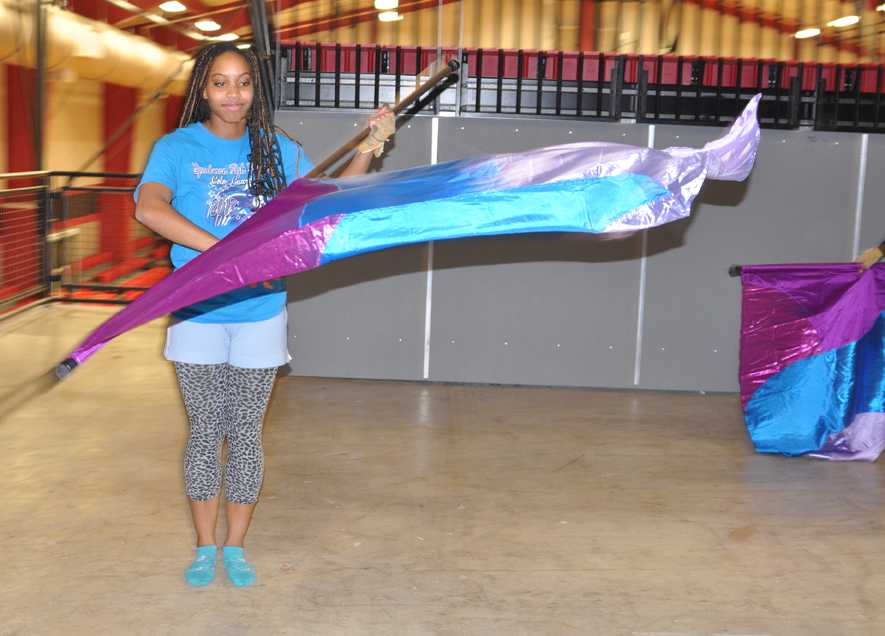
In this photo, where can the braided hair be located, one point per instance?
(266, 174)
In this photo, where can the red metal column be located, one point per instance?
(587, 26)
(174, 105)
(18, 227)
(20, 152)
(116, 209)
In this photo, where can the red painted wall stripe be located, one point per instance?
(116, 209)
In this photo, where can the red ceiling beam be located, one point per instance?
(212, 13)
(236, 17)
(348, 19)
(786, 26)
(99, 10)
(193, 6)
(103, 11)
(92, 9)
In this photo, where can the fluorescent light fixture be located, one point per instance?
(244, 45)
(386, 5)
(207, 25)
(804, 34)
(173, 6)
(389, 16)
(227, 37)
(195, 35)
(844, 21)
(125, 5)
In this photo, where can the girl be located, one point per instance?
(200, 182)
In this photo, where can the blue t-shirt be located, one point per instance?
(209, 180)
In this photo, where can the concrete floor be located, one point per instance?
(392, 508)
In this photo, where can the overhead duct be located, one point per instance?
(91, 49)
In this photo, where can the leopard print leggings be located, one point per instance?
(224, 402)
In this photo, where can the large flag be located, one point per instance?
(812, 362)
(583, 187)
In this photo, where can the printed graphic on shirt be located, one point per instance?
(228, 198)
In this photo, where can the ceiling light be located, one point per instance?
(386, 5)
(244, 45)
(881, 7)
(227, 37)
(844, 21)
(207, 25)
(804, 34)
(173, 6)
(389, 16)
(125, 5)
(195, 35)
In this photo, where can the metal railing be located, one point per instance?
(61, 239)
(660, 89)
(24, 227)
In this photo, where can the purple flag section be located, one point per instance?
(267, 246)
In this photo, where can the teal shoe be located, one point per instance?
(202, 571)
(239, 572)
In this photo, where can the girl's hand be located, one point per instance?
(383, 125)
(383, 113)
(870, 257)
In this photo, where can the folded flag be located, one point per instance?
(812, 361)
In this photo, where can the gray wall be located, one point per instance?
(872, 224)
(798, 205)
(362, 317)
(652, 311)
(541, 309)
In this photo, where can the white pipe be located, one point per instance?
(93, 50)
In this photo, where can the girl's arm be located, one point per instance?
(154, 210)
(358, 165)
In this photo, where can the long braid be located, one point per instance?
(266, 174)
(265, 163)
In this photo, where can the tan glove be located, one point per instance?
(383, 124)
(871, 257)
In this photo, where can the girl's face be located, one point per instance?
(229, 90)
